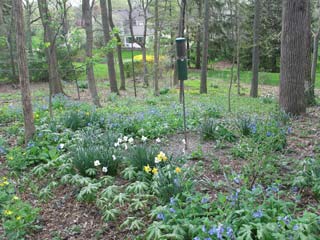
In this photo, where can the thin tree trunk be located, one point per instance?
(155, 48)
(198, 49)
(293, 56)
(87, 17)
(204, 67)
(255, 50)
(51, 54)
(119, 49)
(315, 59)
(309, 89)
(144, 43)
(180, 34)
(28, 27)
(23, 71)
(107, 38)
(238, 44)
(132, 55)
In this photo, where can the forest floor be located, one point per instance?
(63, 217)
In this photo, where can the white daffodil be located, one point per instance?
(125, 138)
(157, 160)
(143, 138)
(116, 144)
(158, 140)
(130, 140)
(125, 146)
(97, 163)
(119, 140)
(183, 141)
(114, 157)
(105, 169)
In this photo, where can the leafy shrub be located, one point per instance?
(16, 215)
(94, 153)
(212, 112)
(77, 119)
(142, 155)
(212, 129)
(246, 125)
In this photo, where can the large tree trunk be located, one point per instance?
(87, 17)
(51, 54)
(156, 49)
(204, 67)
(23, 71)
(255, 50)
(144, 49)
(107, 38)
(119, 49)
(293, 65)
(198, 47)
(315, 59)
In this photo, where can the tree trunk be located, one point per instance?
(132, 55)
(144, 50)
(309, 89)
(51, 54)
(198, 47)
(23, 71)
(238, 44)
(119, 50)
(87, 17)
(107, 38)
(315, 60)
(156, 49)
(255, 50)
(180, 34)
(205, 41)
(28, 27)
(294, 41)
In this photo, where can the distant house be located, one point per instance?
(121, 19)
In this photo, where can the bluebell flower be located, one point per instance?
(212, 231)
(30, 144)
(196, 238)
(296, 227)
(172, 201)
(203, 228)
(176, 182)
(237, 180)
(160, 216)
(289, 130)
(172, 210)
(287, 220)
(209, 238)
(220, 231)
(204, 200)
(2, 151)
(257, 214)
(294, 189)
(269, 134)
(229, 232)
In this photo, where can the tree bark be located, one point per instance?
(119, 50)
(145, 4)
(255, 50)
(205, 41)
(51, 54)
(23, 71)
(315, 59)
(87, 18)
(293, 65)
(156, 49)
(107, 38)
(198, 47)
(28, 27)
(238, 44)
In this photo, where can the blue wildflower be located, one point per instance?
(237, 180)
(212, 231)
(30, 144)
(209, 238)
(204, 200)
(289, 130)
(172, 201)
(203, 228)
(257, 214)
(220, 231)
(296, 227)
(160, 216)
(196, 238)
(172, 210)
(229, 232)
(269, 134)
(176, 182)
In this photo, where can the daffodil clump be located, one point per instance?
(161, 157)
(148, 169)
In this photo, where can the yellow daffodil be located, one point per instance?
(178, 170)
(18, 218)
(10, 158)
(161, 157)
(7, 212)
(15, 198)
(4, 178)
(147, 168)
(155, 171)
(87, 113)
